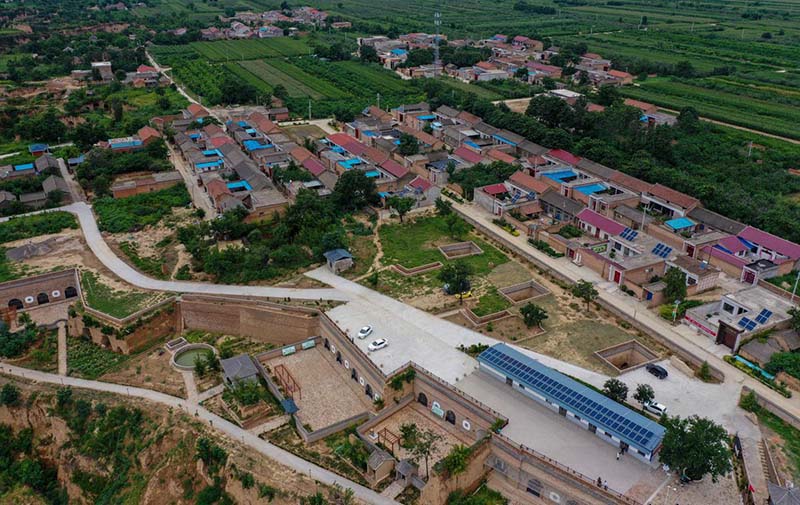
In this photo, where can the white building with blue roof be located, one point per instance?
(613, 422)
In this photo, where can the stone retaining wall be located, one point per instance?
(409, 272)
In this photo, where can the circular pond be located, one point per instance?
(184, 358)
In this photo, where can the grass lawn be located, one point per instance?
(790, 436)
(415, 243)
(490, 303)
(116, 303)
(39, 224)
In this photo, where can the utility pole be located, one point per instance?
(437, 21)
(795, 285)
(750, 149)
(309, 109)
(379, 100)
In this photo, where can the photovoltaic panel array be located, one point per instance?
(629, 234)
(763, 316)
(627, 425)
(747, 323)
(662, 250)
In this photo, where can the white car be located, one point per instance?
(365, 332)
(655, 408)
(376, 345)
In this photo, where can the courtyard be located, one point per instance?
(327, 394)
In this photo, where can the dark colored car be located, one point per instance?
(658, 371)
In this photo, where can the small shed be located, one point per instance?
(379, 466)
(338, 260)
(239, 369)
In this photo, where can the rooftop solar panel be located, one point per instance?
(763, 316)
(583, 401)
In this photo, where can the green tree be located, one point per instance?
(9, 395)
(794, 322)
(456, 461)
(409, 145)
(608, 95)
(644, 393)
(674, 285)
(368, 54)
(425, 445)
(63, 397)
(456, 276)
(533, 315)
(456, 227)
(354, 191)
(616, 390)
(443, 207)
(585, 291)
(401, 204)
(552, 111)
(521, 74)
(695, 446)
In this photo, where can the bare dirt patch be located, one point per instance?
(151, 370)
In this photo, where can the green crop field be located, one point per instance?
(227, 50)
(267, 72)
(770, 109)
(238, 69)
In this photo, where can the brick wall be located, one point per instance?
(262, 321)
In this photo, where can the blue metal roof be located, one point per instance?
(24, 166)
(37, 148)
(503, 139)
(680, 223)
(560, 175)
(634, 429)
(337, 254)
(591, 188)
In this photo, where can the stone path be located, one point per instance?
(62, 348)
(191, 386)
(394, 489)
(270, 425)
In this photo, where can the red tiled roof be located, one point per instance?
(777, 244)
(723, 256)
(499, 155)
(147, 132)
(541, 67)
(145, 68)
(485, 65)
(537, 160)
(394, 168)
(528, 183)
(197, 110)
(263, 123)
(468, 155)
(593, 56)
(314, 166)
(378, 113)
(733, 244)
(672, 196)
(468, 117)
(643, 106)
(421, 183)
(374, 155)
(218, 142)
(630, 182)
(593, 107)
(300, 154)
(600, 222)
(565, 156)
(495, 189)
(620, 74)
(213, 130)
(217, 188)
(531, 208)
(347, 142)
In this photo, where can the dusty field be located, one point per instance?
(328, 395)
(298, 133)
(150, 370)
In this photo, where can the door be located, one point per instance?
(749, 277)
(617, 277)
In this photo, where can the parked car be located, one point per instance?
(451, 290)
(465, 294)
(655, 408)
(365, 332)
(658, 371)
(377, 345)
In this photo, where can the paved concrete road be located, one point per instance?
(106, 256)
(75, 191)
(200, 198)
(218, 423)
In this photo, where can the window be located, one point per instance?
(346, 364)
(422, 399)
(450, 417)
(534, 487)
(466, 425)
(727, 307)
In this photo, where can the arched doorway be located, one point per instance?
(368, 390)
(338, 357)
(354, 375)
(422, 399)
(15, 303)
(450, 417)
(327, 344)
(70, 292)
(42, 298)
